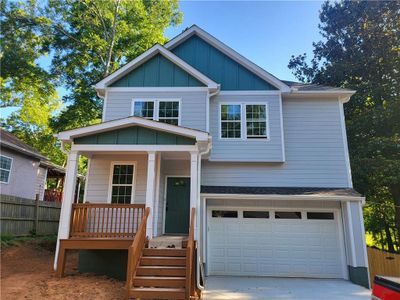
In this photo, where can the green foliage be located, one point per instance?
(86, 41)
(93, 38)
(361, 51)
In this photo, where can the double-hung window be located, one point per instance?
(231, 126)
(122, 181)
(243, 121)
(256, 121)
(166, 111)
(5, 168)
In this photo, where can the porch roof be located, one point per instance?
(109, 126)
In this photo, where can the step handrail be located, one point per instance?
(135, 250)
(189, 257)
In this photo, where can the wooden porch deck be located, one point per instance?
(97, 226)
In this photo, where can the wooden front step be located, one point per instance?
(159, 281)
(162, 261)
(164, 252)
(157, 271)
(157, 293)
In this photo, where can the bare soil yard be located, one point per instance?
(27, 273)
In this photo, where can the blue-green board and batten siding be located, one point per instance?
(157, 72)
(219, 67)
(134, 135)
(161, 72)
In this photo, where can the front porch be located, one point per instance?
(142, 182)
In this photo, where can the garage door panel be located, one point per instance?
(275, 247)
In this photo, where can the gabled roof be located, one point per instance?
(145, 56)
(195, 30)
(69, 135)
(10, 141)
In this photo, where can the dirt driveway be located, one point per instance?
(26, 273)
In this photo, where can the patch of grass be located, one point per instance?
(45, 241)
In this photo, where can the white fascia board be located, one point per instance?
(284, 197)
(67, 136)
(230, 53)
(133, 148)
(145, 56)
(343, 96)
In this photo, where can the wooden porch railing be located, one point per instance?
(135, 250)
(96, 220)
(190, 250)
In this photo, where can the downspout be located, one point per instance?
(201, 153)
(199, 261)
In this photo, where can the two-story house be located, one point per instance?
(262, 164)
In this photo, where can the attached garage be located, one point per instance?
(295, 242)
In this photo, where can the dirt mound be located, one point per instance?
(27, 273)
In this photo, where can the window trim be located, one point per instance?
(156, 102)
(110, 184)
(11, 165)
(243, 122)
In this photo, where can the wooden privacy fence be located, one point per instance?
(20, 216)
(383, 263)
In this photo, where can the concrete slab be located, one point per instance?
(252, 288)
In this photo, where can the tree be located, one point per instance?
(24, 83)
(93, 38)
(361, 51)
(86, 41)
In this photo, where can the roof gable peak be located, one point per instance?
(232, 54)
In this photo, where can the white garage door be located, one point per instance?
(295, 243)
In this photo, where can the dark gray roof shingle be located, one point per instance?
(311, 87)
(311, 191)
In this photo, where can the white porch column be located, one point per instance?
(68, 199)
(194, 186)
(150, 190)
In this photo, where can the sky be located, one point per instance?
(266, 32)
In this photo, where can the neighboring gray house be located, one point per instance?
(263, 161)
(24, 172)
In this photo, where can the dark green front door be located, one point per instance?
(178, 204)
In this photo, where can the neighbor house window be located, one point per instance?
(122, 183)
(5, 168)
(231, 121)
(256, 121)
(244, 121)
(166, 111)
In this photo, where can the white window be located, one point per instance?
(122, 182)
(144, 109)
(243, 121)
(231, 127)
(162, 110)
(5, 168)
(256, 121)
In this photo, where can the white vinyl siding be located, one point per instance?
(97, 190)
(192, 105)
(162, 110)
(314, 151)
(244, 149)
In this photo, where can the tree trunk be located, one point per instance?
(395, 191)
(389, 240)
